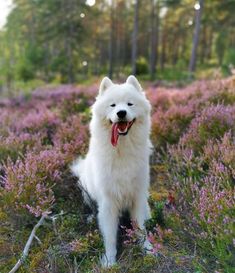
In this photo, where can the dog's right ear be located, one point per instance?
(134, 82)
(105, 84)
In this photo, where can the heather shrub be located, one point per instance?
(38, 120)
(28, 183)
(15, 145)
(213, 210)
(134, 237)
(167, 127)
(204, 183)
(57, 96)
(71, 138)
(212, 123)
(37, 142)
(225, 96)
(195, 126)
(8, 117)
(221, 150)
(77, 103)
(35, 146)
(174, 110)
(192, 173)
(160, 99)
(199, 95)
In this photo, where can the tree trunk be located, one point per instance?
(46, 62)
(175, 53)
(111, 41)
(135, 37)
(203, 45)
(68, 44)
(209, 45)
(118, 42)
(154, 38)
(163, 46)
(193, 59)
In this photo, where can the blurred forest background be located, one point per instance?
(66, 41)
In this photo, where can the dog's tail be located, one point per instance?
(77, 168)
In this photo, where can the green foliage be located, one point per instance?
(230, 57)
(173, 74)
(141, 66)
(172, 2)
(26, 72)
(41, 42)
(221, 44)
(30, 63)
(157, 215)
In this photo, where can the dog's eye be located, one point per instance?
(113, 105)
(129, 104)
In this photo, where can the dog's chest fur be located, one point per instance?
(121, 169)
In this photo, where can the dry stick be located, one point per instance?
(39, 241)
(27, 246)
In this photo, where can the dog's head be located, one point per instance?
(120, 106)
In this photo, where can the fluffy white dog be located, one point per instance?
(115, 172)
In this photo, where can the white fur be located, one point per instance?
(117, 178)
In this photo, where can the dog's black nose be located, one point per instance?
(121, 114)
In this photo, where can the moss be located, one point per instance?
(149, 261)
(159, 196)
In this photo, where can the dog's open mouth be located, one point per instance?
(120, 128)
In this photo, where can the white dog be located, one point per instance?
(115, 172)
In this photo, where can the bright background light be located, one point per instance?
(190, 22)
(90, 2)
(163, 12)
(197, 6)
(5, 8)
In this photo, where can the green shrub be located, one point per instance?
(141, 66)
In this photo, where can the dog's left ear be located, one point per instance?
(105, 84)
(133, 81)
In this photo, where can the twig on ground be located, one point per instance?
(27, 246)
(30, 239)
(39, 241)
(75, 265)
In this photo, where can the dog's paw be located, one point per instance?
(148, 248)
(108, 261)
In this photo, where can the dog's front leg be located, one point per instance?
(108, 222)
(140, 213)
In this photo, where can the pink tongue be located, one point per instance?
(121, 126)
(114, 137)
